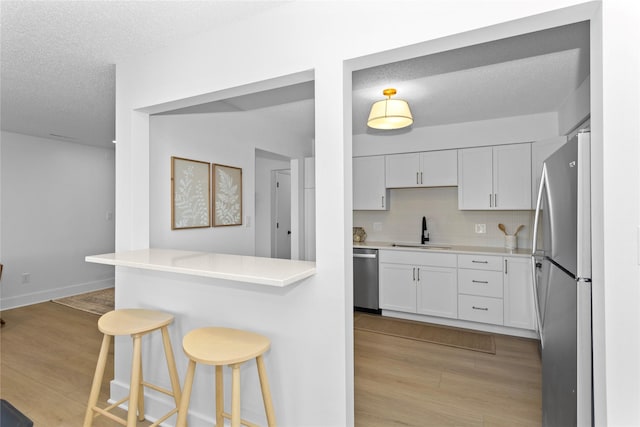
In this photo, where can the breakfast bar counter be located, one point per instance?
(239, 268)
(271, 297)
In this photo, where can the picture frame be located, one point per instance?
(227, 195)
(190, 193)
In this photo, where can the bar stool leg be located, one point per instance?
(171, 365)
(235, 395)
(219, 396)
(186, 395)
(266, 394)
(135, 382)
(140, 392)
(97, 380)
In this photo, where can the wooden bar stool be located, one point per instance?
(219, 347)
(137, 323)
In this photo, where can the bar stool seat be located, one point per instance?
(137, 323)
(219, 347)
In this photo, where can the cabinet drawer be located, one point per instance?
(480, 282)
(480, 309)
(480, 262)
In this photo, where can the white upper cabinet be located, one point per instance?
(496, 177)
(369, 190)
(427, 169)
(540, 150)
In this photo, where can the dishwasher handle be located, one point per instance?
(372, 256)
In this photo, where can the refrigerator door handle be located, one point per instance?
(536, 219)
(534, 291)
(535, 253)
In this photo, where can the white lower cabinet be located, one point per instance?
(518, 293)
(480, 309)
(480, 286)
(422, 283)
(487, 289)
(397, 287)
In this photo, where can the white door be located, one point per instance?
(475, 190)
(437, 291)
(369, 191)
(283, 214)
(397, 287)
(402, 170)
(518, 293)
(439, 168)
(512, 176)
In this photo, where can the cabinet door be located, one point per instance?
(439, 168)
(369, 190)
(397, 287)
(512, 176)
(518, 293)
(475, 178)
(437, 291)
(403, 170)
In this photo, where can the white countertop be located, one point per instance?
(455, 249)
(250, 269)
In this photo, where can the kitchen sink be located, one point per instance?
(434, 247)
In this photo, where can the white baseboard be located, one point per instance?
(484, 327)
(50, 294)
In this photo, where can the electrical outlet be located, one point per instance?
(26, 277)
(481, 228)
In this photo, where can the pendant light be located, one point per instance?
(390, 113)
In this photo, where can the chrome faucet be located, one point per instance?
(425, 234)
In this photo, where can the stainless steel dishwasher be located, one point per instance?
(365, 280)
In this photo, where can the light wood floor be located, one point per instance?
(49, 351)
(402, 382)
(49, 354)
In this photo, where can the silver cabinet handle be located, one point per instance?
(480, 308)
(382, 205)
(479, 281)
(495, 200)
(417, 181)
(414, 274)
(418, 274)
(505, 267)
(421, 182)
(490, 204)
(480, 262)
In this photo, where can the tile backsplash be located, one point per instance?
(446, 224)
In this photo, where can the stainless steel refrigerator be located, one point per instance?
(562, 284)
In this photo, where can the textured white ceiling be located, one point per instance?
(58, 75)
(528, 74)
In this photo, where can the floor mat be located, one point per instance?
(97, 302)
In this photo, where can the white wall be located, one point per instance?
(508, 130)
(575, 109)
(304, 41)
(57, 207)
(615, 155)
(228, 139)
(446, 224)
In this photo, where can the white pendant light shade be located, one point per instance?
(390, 113)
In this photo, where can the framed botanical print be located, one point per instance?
(227, 195)
(190, 193)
